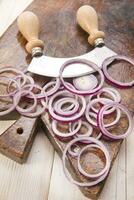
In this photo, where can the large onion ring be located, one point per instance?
(90, 64)
(67, 174)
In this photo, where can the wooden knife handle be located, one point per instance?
(28, 24)
(88, 20)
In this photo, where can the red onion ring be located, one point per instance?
(23, 93)
(102, 126)
(104, 170)
(87, 125)
(67, 174)
(12, 70)
(68, 118)
(75, 151)
(116, 83)
(112, 92)
(89, 114)
(70, 110)
(54, 89)
(65, 135)
(41, 95)
(90, 64)
(25, 78)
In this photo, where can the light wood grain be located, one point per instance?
(130, 167)
(60, 187)
(31, 180)
(9, 10)
(40, 178)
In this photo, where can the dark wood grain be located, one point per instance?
(64, 38)
(17, 140)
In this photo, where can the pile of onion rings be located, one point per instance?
(85, 104)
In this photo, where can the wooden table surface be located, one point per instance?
(41, 177)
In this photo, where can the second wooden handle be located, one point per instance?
(88, 20)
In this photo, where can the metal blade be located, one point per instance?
(50, 66)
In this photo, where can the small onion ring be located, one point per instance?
(67, 174)
(69, 118)
(88, 113)
(41, 95)
(103, 127)
(54, 89)
(25, 78)
(72, 109)
(87, 125)
(90, 64)
(65, 135)
(112, 92)
(109, 78)
(23, 93)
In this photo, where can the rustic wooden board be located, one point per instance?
(63, 38)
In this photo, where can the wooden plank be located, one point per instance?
(121, 174)
(115, 187)
(60, 187)
(9, 10)
(31, 180)
(130, 167)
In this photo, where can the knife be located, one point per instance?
(28, 25)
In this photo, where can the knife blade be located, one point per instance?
(87, 18)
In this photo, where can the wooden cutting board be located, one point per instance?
(63, 38)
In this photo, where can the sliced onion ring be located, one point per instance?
(67, 174)
(105, 65)
(65, 135)
(56, 85)
(88, 63)
(23, 93)
(89, 114)
(70, 110)
(102, 171)
(68, 118)
(112, 92)
(85, 124)
(102, 126)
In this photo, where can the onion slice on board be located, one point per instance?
(64, 157)
(102, 126)
(116, 83)
(65, 135)
(82, 107)
(89, 114)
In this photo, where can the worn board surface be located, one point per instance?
(74, 40)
